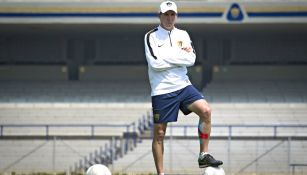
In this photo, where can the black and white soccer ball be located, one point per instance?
(98, 169)
(214, 171)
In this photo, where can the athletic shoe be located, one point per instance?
(208, 160)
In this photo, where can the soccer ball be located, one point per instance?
(98, 169)
(214, 171)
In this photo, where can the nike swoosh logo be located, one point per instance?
(160, 45)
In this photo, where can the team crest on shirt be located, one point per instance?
(179, 43)
(156, 117)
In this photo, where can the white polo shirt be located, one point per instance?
(167, 61)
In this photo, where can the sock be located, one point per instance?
(202, 154)
(202, 135)
(161, 173)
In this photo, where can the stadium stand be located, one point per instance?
(185, 155)
(101, 99)
(258, 84)
(73, 78)
(97, 84)
(269, 84)
(15, 73)
(72, 92)
(46, 155)
(258, 114)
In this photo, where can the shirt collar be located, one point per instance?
(163, 30)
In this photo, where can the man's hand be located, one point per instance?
(187, 49)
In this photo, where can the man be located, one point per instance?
(169, 52)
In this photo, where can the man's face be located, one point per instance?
(168, 19)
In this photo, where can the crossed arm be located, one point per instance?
(169, 57)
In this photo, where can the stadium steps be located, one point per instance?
(21, 155)
(184, 155)
(230, 114)
(126, 164)
(74, 113)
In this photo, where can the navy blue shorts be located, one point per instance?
(166, 106)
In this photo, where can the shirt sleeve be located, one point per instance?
(177, 56)
(152, 55)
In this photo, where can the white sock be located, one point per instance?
(161, 173)
(202, 154)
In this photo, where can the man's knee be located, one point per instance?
(159, 135)
(205, 113)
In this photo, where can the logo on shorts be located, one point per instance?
(156, 117)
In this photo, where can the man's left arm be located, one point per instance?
(182, 54)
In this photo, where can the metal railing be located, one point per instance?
(145, 125)
(293, 165)
(274, 128)
(46, 127)
(120, 146)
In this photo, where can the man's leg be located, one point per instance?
(157, 145)
(203, 110)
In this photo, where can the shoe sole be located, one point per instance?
(205, 166)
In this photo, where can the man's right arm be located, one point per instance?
(152, 55)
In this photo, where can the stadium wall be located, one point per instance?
(111, 33)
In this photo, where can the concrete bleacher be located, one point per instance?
(231, 84)
(50, 84)
(234, 99)
(89, 114)
(257, 84)
(184, 154)
(65, 91)
(72, 114)
(100, 99)
(238, 114)
(46, 155)
(28, 73)
(257, 91)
